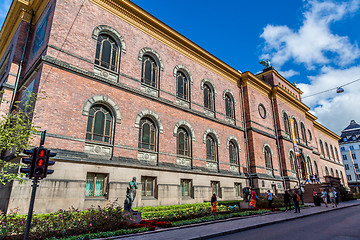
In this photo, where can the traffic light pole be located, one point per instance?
(31, 207)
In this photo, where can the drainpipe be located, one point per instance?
(21, 63)
(277, 138)
(245, 132)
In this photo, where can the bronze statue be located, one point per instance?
(130, 194)
(266, 63)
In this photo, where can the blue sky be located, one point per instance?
(311, 42)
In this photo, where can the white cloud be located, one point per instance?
(313, 42)
(4, 8)
(289, 73)
(334, 110)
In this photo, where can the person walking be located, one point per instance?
(287, 201)
(324, 195)
(253, 199)
(336, 197)
(296, 199)
(270, 200)
(314, 195)
(332, 198)
(213, 204)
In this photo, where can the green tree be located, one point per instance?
(16, 132)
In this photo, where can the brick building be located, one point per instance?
(127, 96)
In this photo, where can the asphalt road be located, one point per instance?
(341, 224)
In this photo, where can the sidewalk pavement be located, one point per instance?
(227, 226)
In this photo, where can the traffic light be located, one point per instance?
(39, 170)
(30, 161)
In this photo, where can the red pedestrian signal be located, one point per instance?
(40, 165)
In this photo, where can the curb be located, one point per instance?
(267, 224)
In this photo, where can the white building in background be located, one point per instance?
(350, 153)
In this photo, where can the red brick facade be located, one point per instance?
(64, 73)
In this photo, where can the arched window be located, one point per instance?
(211, 148)
(286, 123)
(327, 150)
(332, 152)
(296, 130)
(303, 132)
(99, 125)
(322, 148)
(233, 153)
(147, 134)
(336, 173)
(337, 154)
(149, 71)
(342, 177)
(316, 168)
(183, 143)
(292, 161)
(310, 170)
(183, 86)
(326, 171)
(208, 97)
(268, 157)
(107, 52)
(229, 106)
(332, 172)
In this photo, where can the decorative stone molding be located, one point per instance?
(209, 113)
(212, 132)
(234, 139)
(183, 161)
(106, 73)
(102, 99)
(234, 168)
(99, 150)
(149, 90)
(148, 157)
(149, 114)
(187, 126)
(210, 82)
(212, 165)
(228, 91)
(230, 120)
(152, 53)
(185, 70)
(111, 31)
(182, 102)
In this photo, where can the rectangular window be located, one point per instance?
(358, 176)
(215, 188)
(148, 185)
(356, 166)
(238, 190)
(96, 185)
(354, 156)
(351, 147)
(40, 33)
(348, 177)
(342, 148)
(344, 157)
(346, 166)
(186, 187)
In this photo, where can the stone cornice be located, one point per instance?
(281, 77)
(152, 26)
(254, 82)
(288, 98)
(326, 131)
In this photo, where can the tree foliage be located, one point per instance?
(16, 132)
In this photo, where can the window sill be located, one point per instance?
(95, 198)
(148, 198)
(187, 198)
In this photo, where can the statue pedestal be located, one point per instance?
(136, 216)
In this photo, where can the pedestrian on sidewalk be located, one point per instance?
(301, 193)
(324, 196)
(270, 200)
(287, 201)
(336, 197)
(213, 204)
(332, 198)
(314, 195)
(296, 199)
(253, 199)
